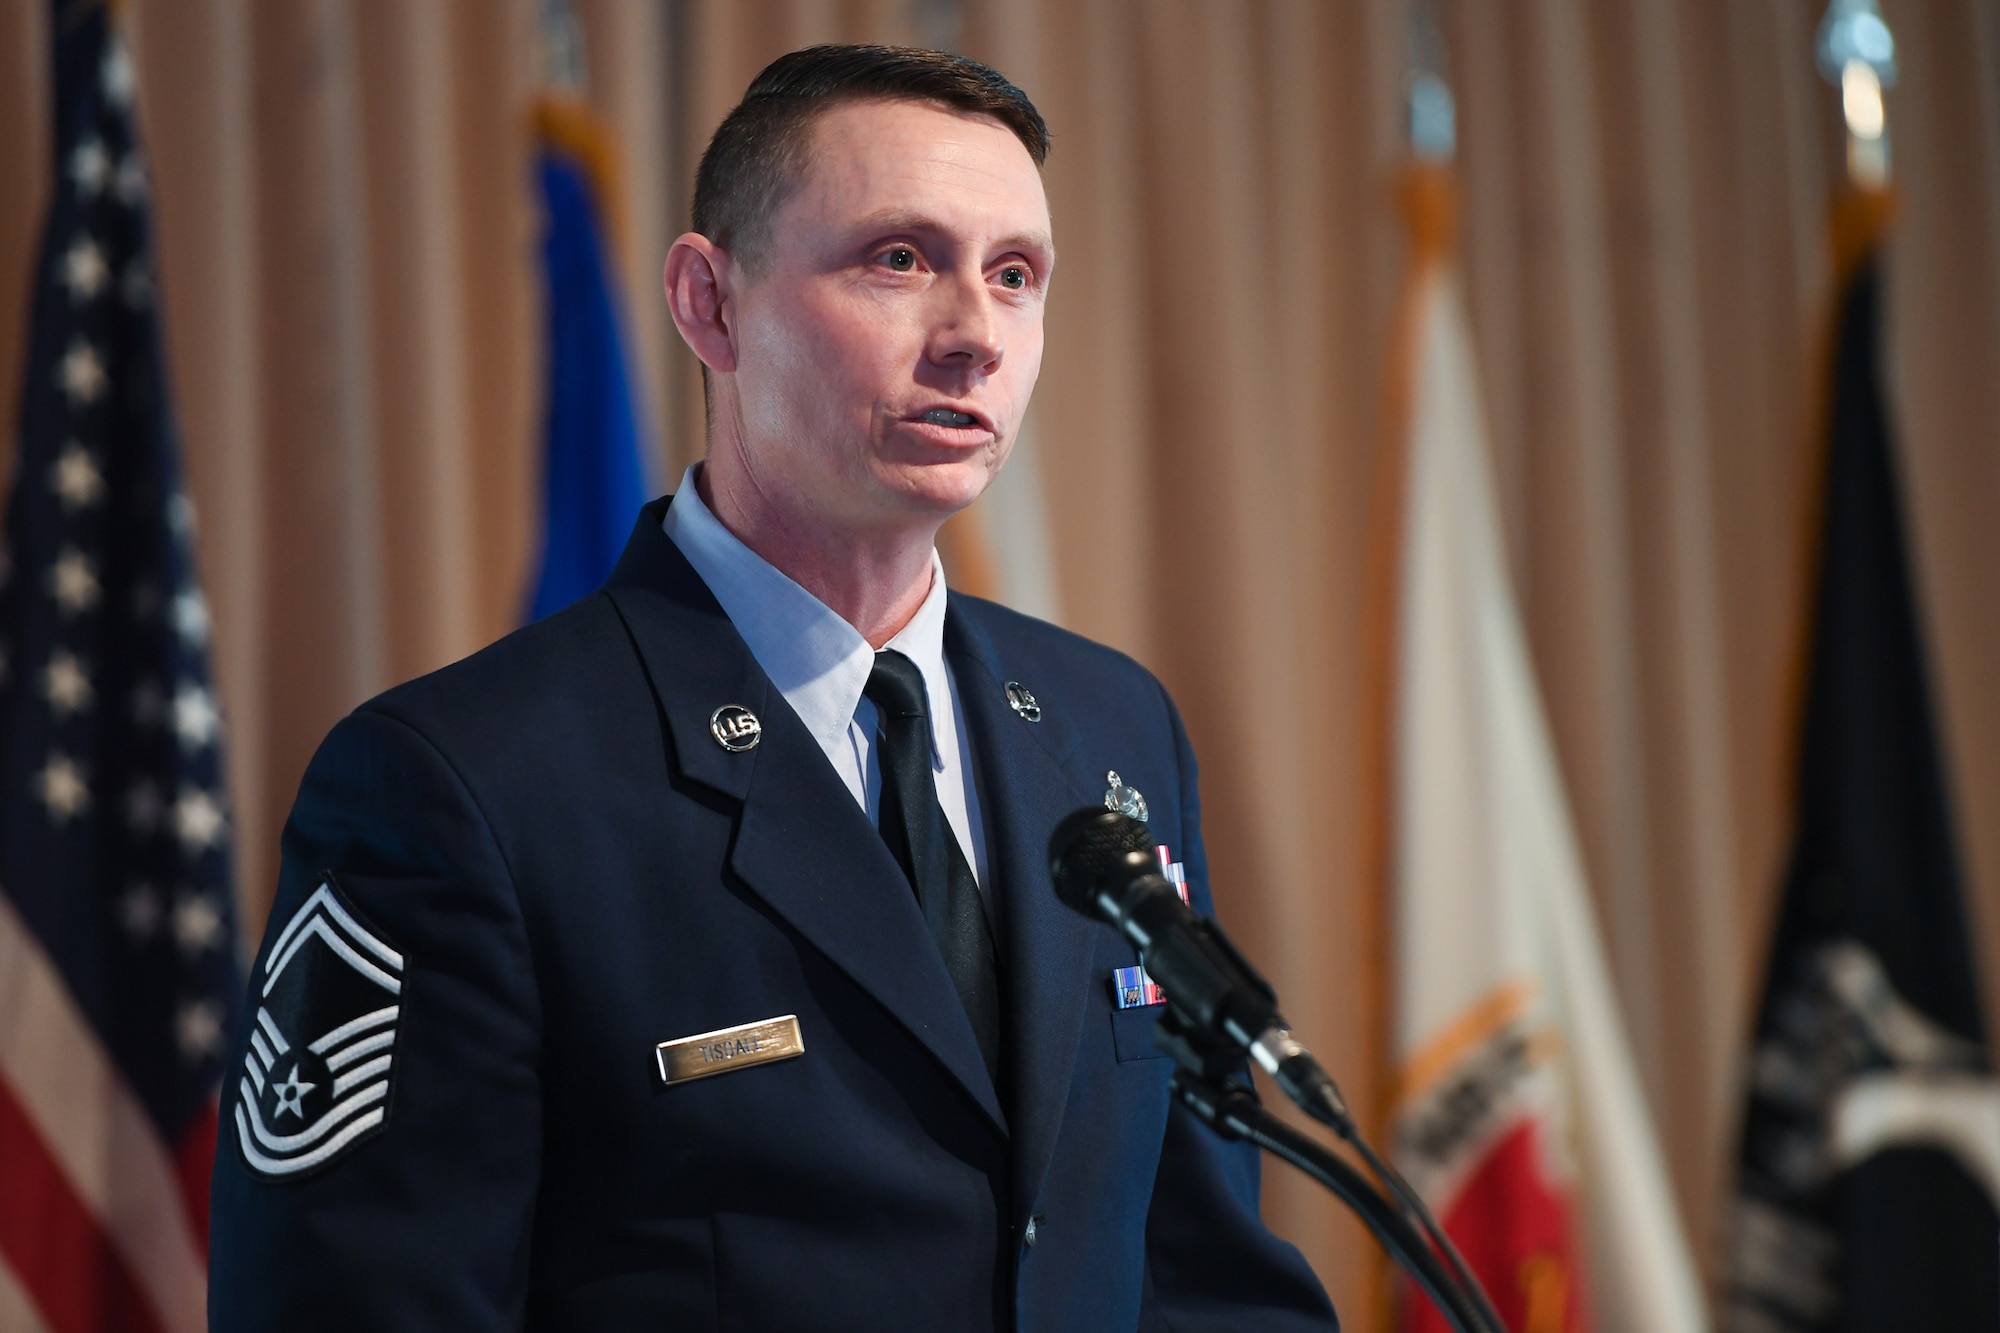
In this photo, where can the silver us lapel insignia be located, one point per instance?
(1125, 800)
(317, 1069)
(735, 728)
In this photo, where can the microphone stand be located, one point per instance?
(1219, 1012)
(1205, 1083)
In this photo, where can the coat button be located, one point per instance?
(1028, 1237)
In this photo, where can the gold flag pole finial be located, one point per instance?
(1427, 202)
(1858, 56)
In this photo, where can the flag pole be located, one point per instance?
(1856, 54)
(595, 468)
(562, 116)
(1426, 201)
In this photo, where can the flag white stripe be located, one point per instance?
(95, 1129)
(17, 1313)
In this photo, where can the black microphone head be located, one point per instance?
(1086, 846)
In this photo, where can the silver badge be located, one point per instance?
(1125, 800)
(735, 728)
(1023, 701)
(321, 1056)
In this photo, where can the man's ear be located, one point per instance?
(699, 279)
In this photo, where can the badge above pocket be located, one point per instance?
(318, 1069)
(1131, 987)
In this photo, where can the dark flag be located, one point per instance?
(118, 968)
(1871, 1145)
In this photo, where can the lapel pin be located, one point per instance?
(1125, 800)
(1023, 701)
(735, 728)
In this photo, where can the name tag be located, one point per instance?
(725, 1049)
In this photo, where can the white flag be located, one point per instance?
(1519, 1115)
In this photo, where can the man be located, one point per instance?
(689, 959)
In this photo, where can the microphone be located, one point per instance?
(1104, 866)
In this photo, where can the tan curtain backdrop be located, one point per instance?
(348, 233)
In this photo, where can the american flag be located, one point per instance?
(118, 960)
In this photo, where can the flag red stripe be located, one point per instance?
(194, 1160)
(64, 1261)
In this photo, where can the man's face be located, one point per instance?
(886, 351)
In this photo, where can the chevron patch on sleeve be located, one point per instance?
(320, 1062)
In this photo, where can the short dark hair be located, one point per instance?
(758, 152)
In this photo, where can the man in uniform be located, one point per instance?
(689, 958)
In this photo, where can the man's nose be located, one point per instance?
(967, 336)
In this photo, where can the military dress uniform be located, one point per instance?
(593, 999)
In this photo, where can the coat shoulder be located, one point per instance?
(1021, 641)
(542, 680)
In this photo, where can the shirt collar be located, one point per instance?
(818, 661)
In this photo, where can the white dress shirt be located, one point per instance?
(820, 663)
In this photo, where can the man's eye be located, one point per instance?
(902, 259)
(1014, 277)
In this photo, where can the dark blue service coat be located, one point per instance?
(567, 868)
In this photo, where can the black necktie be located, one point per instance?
(913, 824)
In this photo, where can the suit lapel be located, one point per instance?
(802, 844)
(1045, 948)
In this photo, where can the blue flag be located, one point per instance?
(594, 478)
(118, 966)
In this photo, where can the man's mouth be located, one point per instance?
(944, 416)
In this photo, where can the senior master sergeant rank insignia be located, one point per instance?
(316, 1073)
